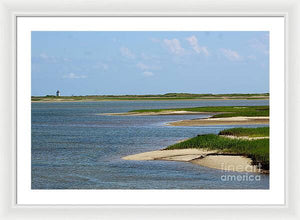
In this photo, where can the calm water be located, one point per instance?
(74, 148)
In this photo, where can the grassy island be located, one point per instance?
(218, 111)
(256, 149)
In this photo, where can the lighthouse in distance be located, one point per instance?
(57, 93)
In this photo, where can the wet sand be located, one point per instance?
(199, 121)
(227, 163)
(158, 113)
(185, 154)
(202, 157)
(221, 121)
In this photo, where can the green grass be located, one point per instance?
(221, 111)
(257, 150)
(249, 132)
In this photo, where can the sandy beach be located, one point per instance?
(221, 121)
(198, 121)
(159, 113)
(184, 154)
(227, 163)
(243, 137)
(202, 157)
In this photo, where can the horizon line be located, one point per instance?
(234, 93)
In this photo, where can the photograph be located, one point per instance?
(150, 110)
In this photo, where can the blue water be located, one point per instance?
(75, 148)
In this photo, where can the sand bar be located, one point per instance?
(227, 163)
(243, 137)
(158, 113)
(161, 154)
(198, 121)
(221, 121)
(202, 157)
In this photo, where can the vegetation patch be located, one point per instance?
(220, 111)
(257, 150)
(248, 132)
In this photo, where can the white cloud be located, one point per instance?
(251, 57)
(261, 45)
(127, 53)
(146, 67)
(74, 76)
(231, 54)
(44, 56)
(142, 66)
(100, 65)
(104, 66)
(193, 41)
(145, 56)
(53, 59)
(148, 74)
(205, 51)
(67, 60)
(155, 40)
(174, 46)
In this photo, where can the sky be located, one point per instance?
(149, 62)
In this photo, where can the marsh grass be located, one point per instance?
(220, 111)
(249, 132)
(257, 150)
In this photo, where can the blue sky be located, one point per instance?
(152, 62)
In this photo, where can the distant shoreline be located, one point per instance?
(137, 100)
(162, 97)
(109, 100)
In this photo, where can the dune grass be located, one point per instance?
(249, 132)
(220, 111)
(257, 150)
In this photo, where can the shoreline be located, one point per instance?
(168, 112)
(206, 158)
(104, 100)
(221, 121)
(240, 120)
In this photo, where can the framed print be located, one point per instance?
(149, 111)
(116, 126)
